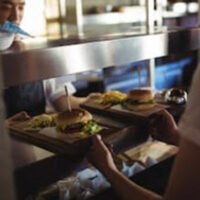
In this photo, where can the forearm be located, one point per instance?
(174, 138)
(60, 104)
(185, 178)
(77, 101)
(128, 189)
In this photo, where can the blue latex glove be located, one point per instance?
(13, 28)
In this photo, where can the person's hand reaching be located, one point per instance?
(163, 127)
(93, 96)
(101, 156)
(17, 117)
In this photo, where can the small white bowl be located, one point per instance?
(6, 39)
(179, 7)
(193, 7)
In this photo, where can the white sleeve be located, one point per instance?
(190, 121)
(54, 88)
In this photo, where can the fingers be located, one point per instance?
(97, 140)
(99, 145)
(110, 147)
(160, 117)
(94, 96)
(98, 149)
(17, 117)
(169, 119)
(166, 115)
(24, 115)
(21, 116)
(154, 134)
(158, 122)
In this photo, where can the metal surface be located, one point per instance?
(90, 54)
(58, 61)
(159, 12)
(150, 15)
(150, 28)
(116, 17)
(79, 16)
(151, 73)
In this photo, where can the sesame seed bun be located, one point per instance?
(141, 95)
(140, 100)
(72, 118)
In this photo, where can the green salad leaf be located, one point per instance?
(91, 128)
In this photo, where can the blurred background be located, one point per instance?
(67, 18)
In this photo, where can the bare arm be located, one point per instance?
(17, 117)
(185, 180)
(123, 186)
(163, 127)
(128, 189)
(60, 104)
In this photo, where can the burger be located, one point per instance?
(76, 120)
(139, 100)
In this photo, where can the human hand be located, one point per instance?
(101, 156)
(17, 117)
(163, 127)
(93, 96)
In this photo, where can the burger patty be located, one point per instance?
(77, 120)
(136, 102)
(73, 128)
(90, 128)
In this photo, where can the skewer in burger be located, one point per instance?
(76, 120)
(139, 100)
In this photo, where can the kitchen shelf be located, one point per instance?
(47, 59)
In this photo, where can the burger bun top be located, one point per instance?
(75, 116)
(141, 95)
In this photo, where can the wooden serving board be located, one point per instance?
(70, 144)
(122, 113)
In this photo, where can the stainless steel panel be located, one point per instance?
(63, 57)
(58, 61)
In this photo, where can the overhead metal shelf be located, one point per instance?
(68, 56)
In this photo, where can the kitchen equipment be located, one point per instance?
(6, 39)
(175, 96)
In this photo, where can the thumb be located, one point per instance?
(97, 139)
(23, 115)
(110, 147)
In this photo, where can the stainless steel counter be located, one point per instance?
(46, 59)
